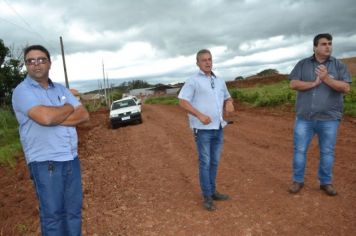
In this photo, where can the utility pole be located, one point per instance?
(64, 63)
(106, 98)
(109, 90)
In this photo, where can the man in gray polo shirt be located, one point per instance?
(321, 82)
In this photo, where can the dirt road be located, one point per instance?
(143, 180)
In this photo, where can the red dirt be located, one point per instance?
(256, 80)
(351, 65)
(142, 180)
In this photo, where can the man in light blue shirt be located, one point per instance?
(204, 97)
(47, 114)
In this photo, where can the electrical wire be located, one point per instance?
(29, 28)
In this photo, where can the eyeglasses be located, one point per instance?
(212, 82)
(36, 61)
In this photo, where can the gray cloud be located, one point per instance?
(182, 27)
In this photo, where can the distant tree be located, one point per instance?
(239, 78)
(134, 84)
(268, 72)
(10, 73)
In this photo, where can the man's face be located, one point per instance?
(324, 48)
(37, 65)
(205, 63)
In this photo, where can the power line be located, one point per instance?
(29, 29)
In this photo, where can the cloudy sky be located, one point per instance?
(158, 39)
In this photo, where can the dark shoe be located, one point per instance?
(219, 196)
(209, 204)
(295, 187)
(328, 189)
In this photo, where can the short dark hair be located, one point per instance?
(321, 36)
(36, 47)
(202, 51)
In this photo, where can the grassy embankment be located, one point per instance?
(277, 94)
(170, 100)
(9, 138)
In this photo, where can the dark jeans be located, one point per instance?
(304, 131)
(209, 145)
(59, 192)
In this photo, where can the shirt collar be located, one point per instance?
(312, 58)
(202, 73)
(36, 84)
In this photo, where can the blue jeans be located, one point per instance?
(209, 145)
(304, 131)
(59, 192)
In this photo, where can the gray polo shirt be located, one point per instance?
(321, 102)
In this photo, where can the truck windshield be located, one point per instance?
(122, 104)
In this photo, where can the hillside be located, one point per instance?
(255, 80)
(351, 64)
(270, 79)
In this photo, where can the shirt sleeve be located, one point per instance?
(226, 94)
(23, 99)
(344, 74)
(70, 98)
(296, 73)
(187, 91)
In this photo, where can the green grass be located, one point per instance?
(266, 95)
(350, 100)
(280, 94)
(9, 138)
(169, 100)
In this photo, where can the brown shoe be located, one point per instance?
(295, 187)
(328, 189)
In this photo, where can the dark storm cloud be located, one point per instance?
(182, 27)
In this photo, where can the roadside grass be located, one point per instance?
(350, 100)
(167, 100)
(280, 94)
(9, 138)
(273, 95)
(260, 96)
(92, 107)
(265, 95)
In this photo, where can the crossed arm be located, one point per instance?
(65, 115)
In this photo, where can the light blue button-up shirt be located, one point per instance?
(39, 142)
(207, 95)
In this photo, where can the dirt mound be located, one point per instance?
(143, 180)
(351, 65)
(256, 80)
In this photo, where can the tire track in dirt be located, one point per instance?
(143, 180)
(162, 195)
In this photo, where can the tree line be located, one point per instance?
(11, 73)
